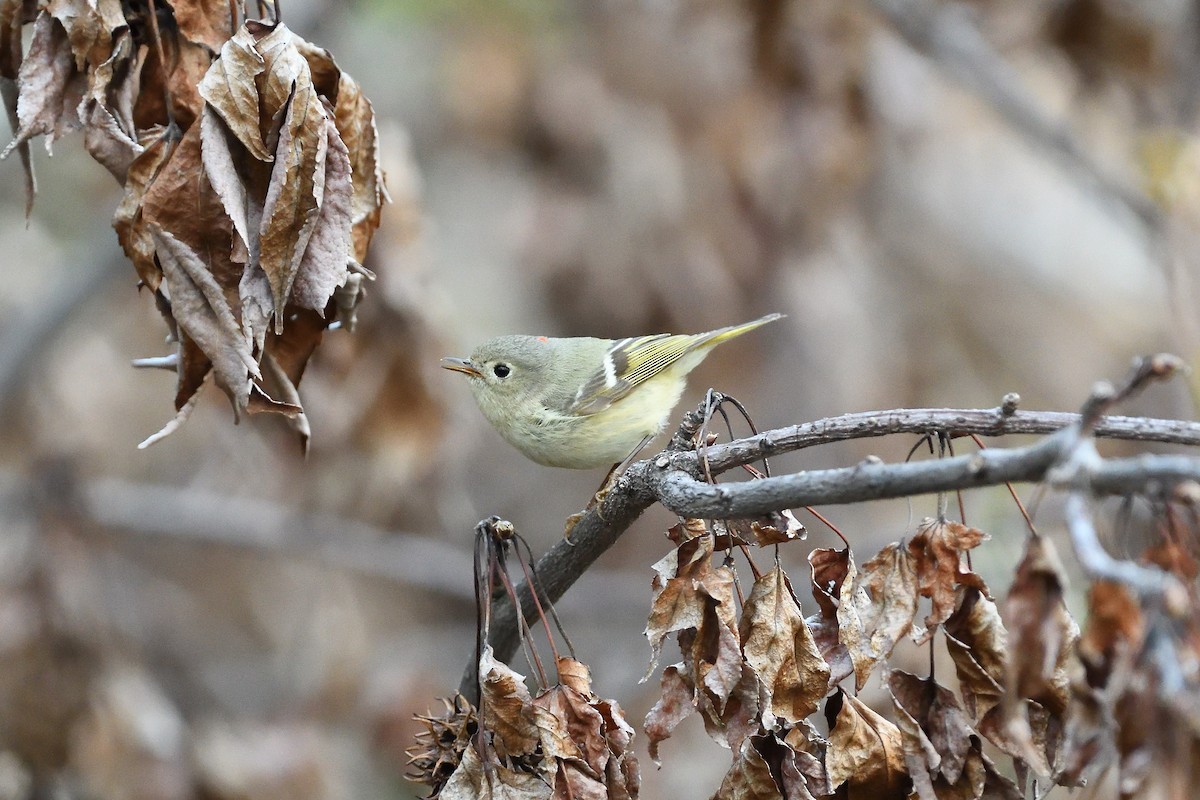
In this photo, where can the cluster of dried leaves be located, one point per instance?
(1118, 703)
(1065, 708)
(564, 743)
(250, 167)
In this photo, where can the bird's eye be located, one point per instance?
(501, 370)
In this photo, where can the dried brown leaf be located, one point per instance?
(1115, 628)
(937, 734)
(472, 782)
(199, 307)
(939, 552)
(1042, 638)
(203, 22)
(506, 708)
(107, 142)
(13, 15)
(749, 777)
(187, 63)
(181, 201)
(355, 119)
(90, 25)
(621, 774)
(829, 570)
(282, 387)
(977, 641)
(778, 646)
(294, 347)
(877, 607)
(230, 88)
(323, 266)
(730, 721)
(577, 723)
(679, 602)
(676, 702)
(129, 222)
(716, 646)
(865, 752)
(1042, 634)
(573, 781)
(297, 178)
(50, 86)
(808, 758)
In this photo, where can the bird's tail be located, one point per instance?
(714, 338)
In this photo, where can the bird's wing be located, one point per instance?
(627, 364)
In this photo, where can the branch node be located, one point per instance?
(1009, 403)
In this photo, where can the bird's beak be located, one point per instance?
(461, 365)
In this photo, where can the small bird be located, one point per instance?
(580, 402)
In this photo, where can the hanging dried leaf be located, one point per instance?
(90, 26)
(680, 602)
(1042, 638)
(730, 721)
(877, 608)
(749, 778)
(829, 570)
(676, 702)
(976, 639)
(472, 782)
(1042, 634)
(323, 266)
(778, 646)
(356, 123)
(506, 708)
(807, 759)
(50, 87)
(936, 732)
(199, 306)
(203, 22)
(1115, 630)
(865, 753)
(129, 222)
(939, 552)
(182, 202)
(230, 88)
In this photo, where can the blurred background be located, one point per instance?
(949, 201)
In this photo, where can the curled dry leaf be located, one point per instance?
(1042, 634)
(779, 648)
(976, 639)
(786, 773)
(1115, 630)
(676, 702)
(829, 569)
(749, 778)
(472, 782)
(939, 552)
(936, 734)
(876, 608)
(506, 707)
(865, 755)
(679, 598)
(1042, 637)
(50, 86)
(198, 304)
